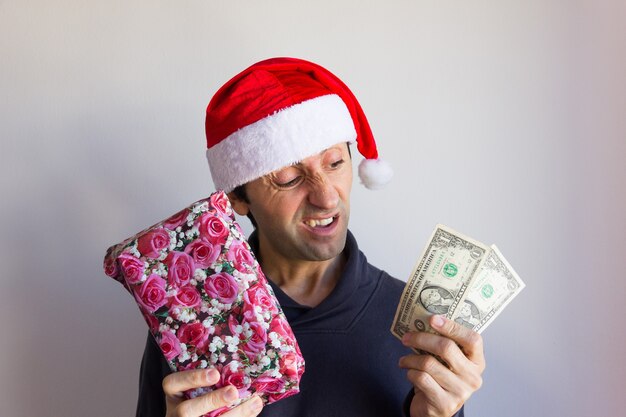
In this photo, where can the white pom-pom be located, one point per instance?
(375, 173)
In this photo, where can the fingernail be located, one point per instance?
(255, 404)
(405, 339)
(231, 394)
(438, 321)
(212, 375)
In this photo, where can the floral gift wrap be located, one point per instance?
(207, 302)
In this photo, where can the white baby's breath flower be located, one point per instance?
(199, 274)
(274, 340)
(133, 250)
(184, 356)
(213, 358)
(264, 361)
(222, 358)
(169, 320)
(203, 363)
(186, 315)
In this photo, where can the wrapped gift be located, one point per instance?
(207, 302)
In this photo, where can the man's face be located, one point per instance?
(302, 210)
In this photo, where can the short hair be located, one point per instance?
(241, 194)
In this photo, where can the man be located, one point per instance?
(278, 136)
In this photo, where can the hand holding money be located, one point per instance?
(457, 288)
(460, 278)
(441, 386)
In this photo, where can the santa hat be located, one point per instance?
(278, 112)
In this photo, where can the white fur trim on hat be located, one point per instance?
(279, 140)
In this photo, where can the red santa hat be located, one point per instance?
(278, 112)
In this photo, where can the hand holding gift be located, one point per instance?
(174, 385)
(209, 306)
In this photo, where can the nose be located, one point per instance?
(323, 194)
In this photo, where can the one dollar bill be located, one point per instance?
(493, 287)
(458, 277)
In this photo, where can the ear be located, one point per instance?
(240, 206)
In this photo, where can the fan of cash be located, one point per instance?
(458, 277)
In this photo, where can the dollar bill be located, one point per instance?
(493, 287)
(460, 278)
(439, 280)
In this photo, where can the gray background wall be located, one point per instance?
(502, 119)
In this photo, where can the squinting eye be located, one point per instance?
(289, 184)
(336, 164)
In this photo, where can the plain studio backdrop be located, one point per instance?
(505, 120)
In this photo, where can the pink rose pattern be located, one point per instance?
(207, 302)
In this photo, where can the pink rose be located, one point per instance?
(267, 384)
(257, 295)
(213, 228)
(220, 202)
(240, 256)
(153, 242)
(236, 378)
(176, 220)
(272, 398)
(187, 296)
(194, 334)
(288, 363)
(132, 268)
(180, 268)
(257, 341)
(110, 267)
(203, 252)
(222, 286)
(151, 294)
(281, 327)
(170, 345)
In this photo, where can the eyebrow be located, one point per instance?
(299, 163)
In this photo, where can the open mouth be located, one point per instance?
(315, 223)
